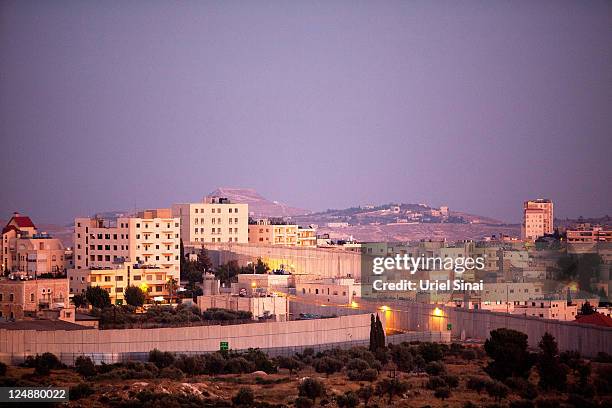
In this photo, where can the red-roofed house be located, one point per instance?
(27, 252)
(596, 319)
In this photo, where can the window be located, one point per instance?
(31, 297)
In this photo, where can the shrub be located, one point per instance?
(603, 357)
(328, 365)
(311, 388)
(79, 391)
(84, 366)
(435, 368)
(442, 393)
(172, 373)
(348, 400)
(431, 351)
(402, 357)
(2, 369)
(436, 382)
(451, 380)
(523, 387)
(261, 360)
(303, 402)
(497, 390)
(214, 363)
(161, 359)
(134, 296)
(391, 387)
(238, 365)
(289, 363)
(547, 403)
(477, 383)
(468, 354)
(357, 364)
(369, 374)
(365, 393)
(191, 365)
(244, 397)
(456, 349)
(524, 403)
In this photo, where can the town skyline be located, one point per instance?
(316, 105)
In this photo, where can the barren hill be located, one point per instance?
(259, 206)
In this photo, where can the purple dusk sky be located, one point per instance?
(475, 104)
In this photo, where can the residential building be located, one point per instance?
(26, 251)
(589, 233)
(214, 220)
(150, 239)
(151, 280)
(24, 297)
(538, 217)
(271, 232)
(335, 290)
(554, 307)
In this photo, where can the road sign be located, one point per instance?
(223, 345)
(449, 326)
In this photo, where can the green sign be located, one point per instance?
(223, 345)
(449, 326)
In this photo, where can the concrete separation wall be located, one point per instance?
(20, 343)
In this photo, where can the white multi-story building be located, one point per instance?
(152, 238)
(538, 217)
(214, 220)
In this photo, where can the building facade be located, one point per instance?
(268, 232)
(538, 218)
(150, 239)
(589, 233)
(214, 220)
(22, 297)
(151, 280)
(26, 251)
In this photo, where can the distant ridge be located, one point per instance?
(259, 206)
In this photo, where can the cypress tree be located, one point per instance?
(373, 336)
(380, 333)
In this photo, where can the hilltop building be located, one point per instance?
(150, 239)
(538, 217)
(214, 220)
(25, 251)
(589, 233)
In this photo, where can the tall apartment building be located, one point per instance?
(214, 220)
(269, 232)
(538, 218)
(25, 251)
(152, 238)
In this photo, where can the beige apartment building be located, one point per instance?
(26, 251)
(23, 297)
(214, 220)
(336, 290)
(589, 233)
(150, 239)
(268, 232)
(556, 309)
(538, 218)
(151, 280)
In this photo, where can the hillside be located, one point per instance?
(259, 206)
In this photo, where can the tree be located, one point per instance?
(172, 286)
(508, 349)
(402, 357)
(161, 359)
(97, 297)
(477, 383)
(373, 337)
(311, 388)
(228, 272)
(79, 300)
(380, 332)
(204, 263)
(391, 387)
(134, 296)
(289, 363)
(552, 372)
(587, 309)
(261, 267)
